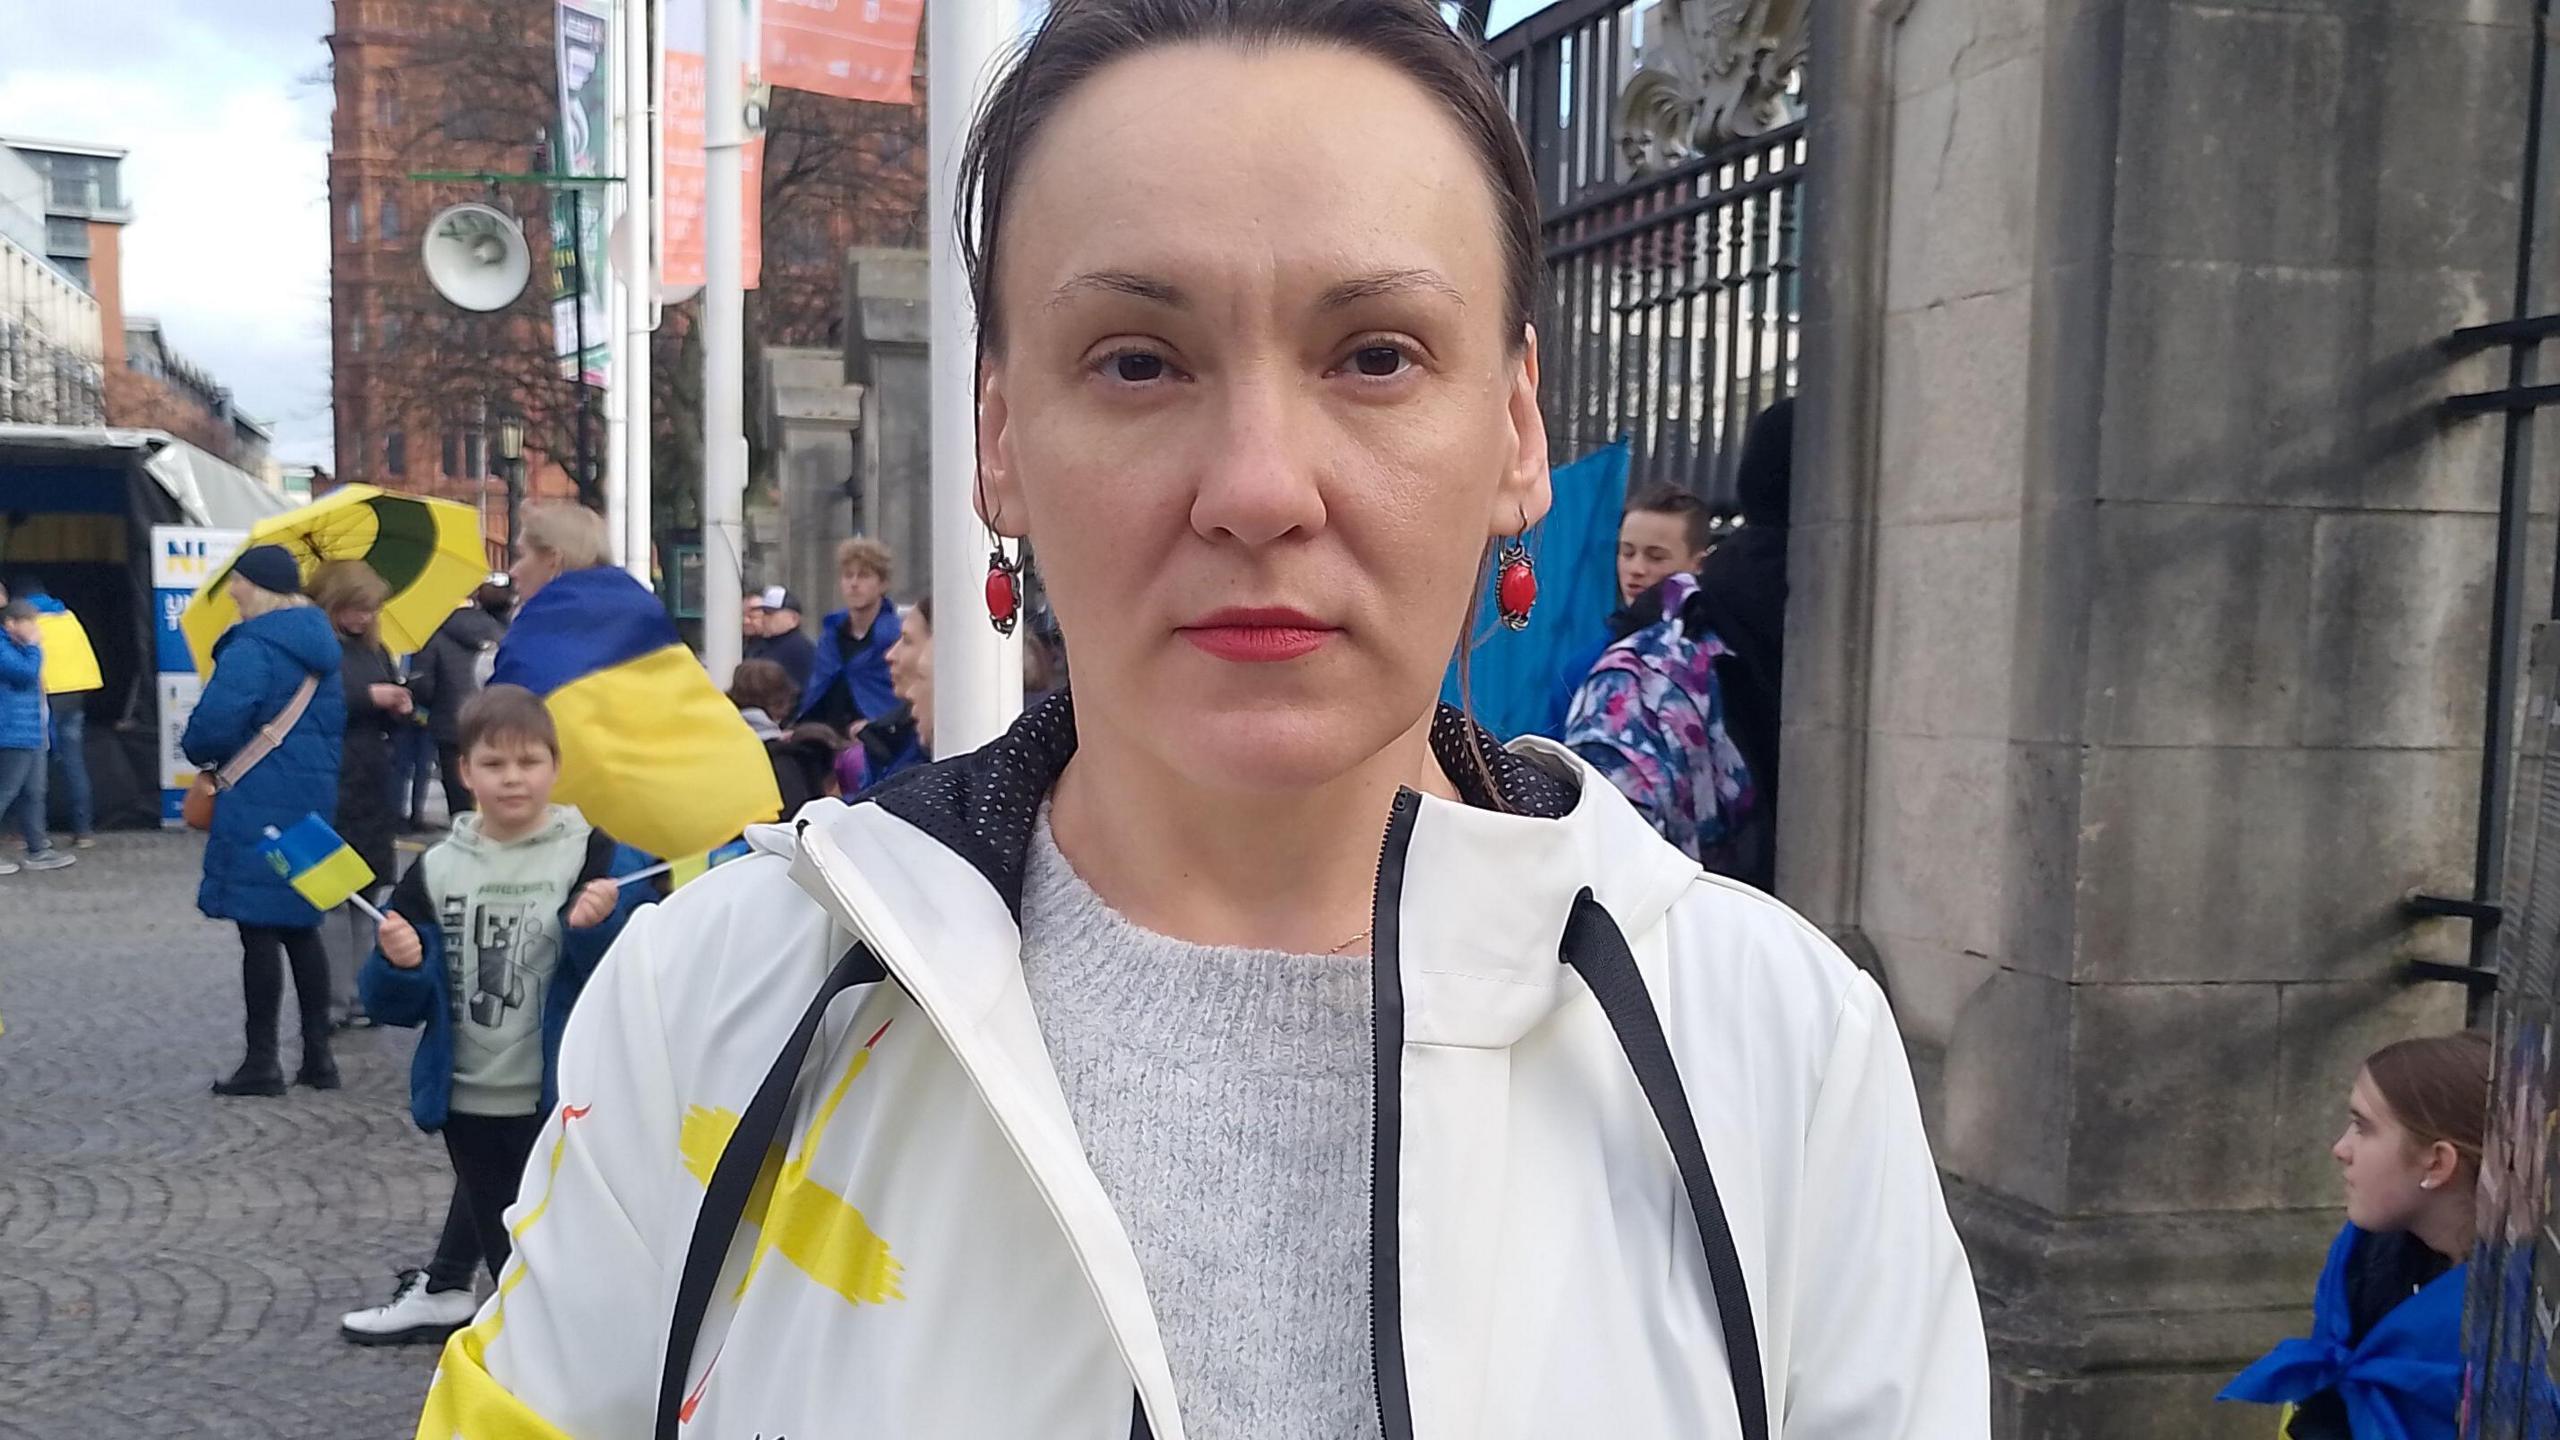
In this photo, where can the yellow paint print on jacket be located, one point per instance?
(813, 1227)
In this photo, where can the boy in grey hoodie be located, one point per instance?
(488, 940)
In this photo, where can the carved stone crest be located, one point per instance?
(1710, 71)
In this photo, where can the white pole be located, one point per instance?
(617, 395)
(640, 282)
(977, 673)
(617, 392)
(724, 324)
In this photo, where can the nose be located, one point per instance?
(1261, 476)
(2338, 1150)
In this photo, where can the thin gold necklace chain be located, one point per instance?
(1347, 944)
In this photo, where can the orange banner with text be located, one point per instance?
(852, 49)
(683, 175)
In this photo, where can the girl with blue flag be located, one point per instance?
(2384, 1357)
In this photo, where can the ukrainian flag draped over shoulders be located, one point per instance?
(650, 750)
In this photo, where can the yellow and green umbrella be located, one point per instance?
(428, 551)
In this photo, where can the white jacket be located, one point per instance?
(928, 1254)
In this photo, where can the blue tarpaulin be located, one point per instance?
(1517, 676)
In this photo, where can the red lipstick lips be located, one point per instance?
(1259, 636)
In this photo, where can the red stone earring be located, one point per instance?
(1515, 590)
(1004, 587)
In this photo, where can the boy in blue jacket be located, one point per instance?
(489, 938)
(22, 737)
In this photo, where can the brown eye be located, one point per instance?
(1379, 362)
(1137, 369)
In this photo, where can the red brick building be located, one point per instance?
(467, 85)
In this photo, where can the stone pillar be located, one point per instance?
(814, 417)
(2141, 624)
(886, 305)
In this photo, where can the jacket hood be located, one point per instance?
(467, 836)
(46, 604)
(301, 632)
(1535, 829)
(1648, 609)
(1765, 478)
(473, 627)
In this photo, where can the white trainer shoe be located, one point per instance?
(415, 1316)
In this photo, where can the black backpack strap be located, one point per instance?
(1594, 947)
(724, 1200)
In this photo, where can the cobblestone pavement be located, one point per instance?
(173, 1264)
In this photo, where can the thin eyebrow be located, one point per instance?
(1389, 282)
(1122, 282)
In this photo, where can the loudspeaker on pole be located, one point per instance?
(476, 256)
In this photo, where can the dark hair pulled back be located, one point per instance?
(1079, 38)
(2438, 1089)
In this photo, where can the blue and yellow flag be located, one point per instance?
(316, 863)
(693, 867)
(650, 750)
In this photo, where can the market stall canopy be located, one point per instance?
(40, 465)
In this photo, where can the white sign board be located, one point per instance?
(183, 557)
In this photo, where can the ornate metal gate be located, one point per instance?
(1668, 141)
(2513, 1389)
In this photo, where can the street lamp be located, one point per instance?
(511, 462)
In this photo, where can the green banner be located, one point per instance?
(580, 146)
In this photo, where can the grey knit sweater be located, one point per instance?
(1223, 1097)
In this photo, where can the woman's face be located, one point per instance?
(2379, 1163)
(355, 619)
(911, 656)
(1258, 406)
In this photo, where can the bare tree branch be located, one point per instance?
(476, 95)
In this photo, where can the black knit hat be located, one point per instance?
(269, 567)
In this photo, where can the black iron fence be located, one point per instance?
(2530, 326)
(1672, 307)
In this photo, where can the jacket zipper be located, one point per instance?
(1386, 1125)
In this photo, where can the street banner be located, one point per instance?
(851, 49)
(183, 557)
(581, 145)
(683, 182)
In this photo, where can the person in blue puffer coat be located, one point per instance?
(258, 666)
(22, 737)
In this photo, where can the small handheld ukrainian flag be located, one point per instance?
(650, 750)
(319, 866)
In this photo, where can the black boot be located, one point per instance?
(318, 1071)
(261, 991)
(254, 1077)
(311, 992)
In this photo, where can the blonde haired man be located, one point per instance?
(849, 682)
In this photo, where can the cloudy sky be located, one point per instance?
(225, 107)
